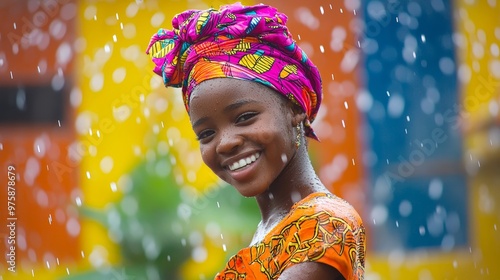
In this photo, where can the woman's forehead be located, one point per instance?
(221, 92)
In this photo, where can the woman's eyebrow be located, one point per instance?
(238, 104)
(200, 121)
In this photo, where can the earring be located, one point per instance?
(299, 135)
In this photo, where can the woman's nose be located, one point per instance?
(228, 142)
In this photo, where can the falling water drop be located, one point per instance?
(11, 75)
(88, 174)
(50, 219)
(83, 255)
(422, 37)
(321, 10)
(114, 38)
(224, 247)
(218, 204)
(408, 118)
(117, 18)
(388, 93)
(113, 186)
(346, 105)
(78, 201)
(341, 11)
(343, 123)
(59, 123)
(322, 49)
(15, 25)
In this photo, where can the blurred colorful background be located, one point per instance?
(109, 184)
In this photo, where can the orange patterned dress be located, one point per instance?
(320, 228)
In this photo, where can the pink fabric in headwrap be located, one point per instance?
(250, 43)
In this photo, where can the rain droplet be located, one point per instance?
(59, 123)
(50, 219)
(397, 19)
(106, 48)
(67, 270)
(121, 25)
(388, 93)
(95, 17)
(11, 75)
(221, 237)
(48, 264)
(83, 255)
(218, 205)
(397, 224)
(495, 227)
(421, 230)
(322, 49)
(353, 163)
(117, 18)
(343, 123)
(78, 201)
(333, 77)
(88, 174)
(321, 10)
(113, 186)
(331, 8)
(57, 261)
(114, 38)
(408, 118)
(341, 11)
(284, 158)
(346, 105)
(224, 247)
(422, 37)
(15, 25)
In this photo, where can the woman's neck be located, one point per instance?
(297, 180)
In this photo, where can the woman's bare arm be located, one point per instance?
(311, 271)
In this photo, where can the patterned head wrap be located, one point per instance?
(249, 43)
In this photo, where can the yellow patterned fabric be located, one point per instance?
(320, 228)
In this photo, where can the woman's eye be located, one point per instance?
(245, 116)
(204, 134)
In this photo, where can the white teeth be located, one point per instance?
(243, 162)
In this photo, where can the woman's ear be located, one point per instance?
(298, 115)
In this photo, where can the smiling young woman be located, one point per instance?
(252, 94)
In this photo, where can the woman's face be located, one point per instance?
(245, 131)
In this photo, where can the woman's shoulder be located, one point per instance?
(326, 204)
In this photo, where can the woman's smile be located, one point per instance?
(242, 163)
